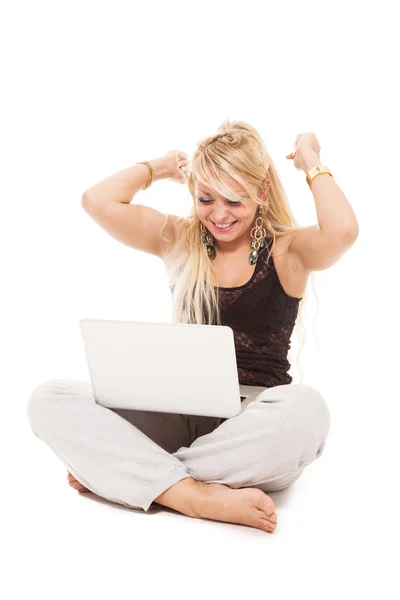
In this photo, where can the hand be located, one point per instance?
(76, 484)
(177, 166)
(305, 144)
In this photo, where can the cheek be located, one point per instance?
(201, 213)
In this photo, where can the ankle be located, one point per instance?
(185, 496)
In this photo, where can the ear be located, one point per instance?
(265, 189)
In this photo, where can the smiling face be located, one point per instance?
(214, 209)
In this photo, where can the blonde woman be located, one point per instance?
(237, 259)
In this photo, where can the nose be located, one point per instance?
(220, 216)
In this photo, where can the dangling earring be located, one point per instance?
(208, 240)
(258, 233)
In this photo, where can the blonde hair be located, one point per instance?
(238, 150)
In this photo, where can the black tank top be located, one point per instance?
(262, 316)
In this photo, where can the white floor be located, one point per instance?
(336, 534)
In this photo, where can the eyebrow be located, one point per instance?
(210, 194)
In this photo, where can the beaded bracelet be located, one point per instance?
(146, 162)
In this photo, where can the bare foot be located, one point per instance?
(247, 506)
(76, 484)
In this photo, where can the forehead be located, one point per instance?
(202, 187)
(227, 179)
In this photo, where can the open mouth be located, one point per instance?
(224, 229)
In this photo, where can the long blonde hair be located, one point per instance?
(238, 150)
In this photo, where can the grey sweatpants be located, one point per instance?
(131, 456)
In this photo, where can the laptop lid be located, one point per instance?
(167, 367)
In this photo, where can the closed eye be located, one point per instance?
(204, 201)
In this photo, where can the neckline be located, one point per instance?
(239, 287)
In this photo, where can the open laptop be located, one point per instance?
(166, 367)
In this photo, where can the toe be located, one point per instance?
(266, 525)
(78, 486)
(266, 504)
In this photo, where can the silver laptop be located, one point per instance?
(167, 367)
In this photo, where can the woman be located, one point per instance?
(240, 260)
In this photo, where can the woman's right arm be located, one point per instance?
(125, 184)
(136, 225)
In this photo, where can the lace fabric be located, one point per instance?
(262, 316)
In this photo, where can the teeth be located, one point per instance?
(225, 226)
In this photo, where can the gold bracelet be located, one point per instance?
(150, 181)
(315, 171)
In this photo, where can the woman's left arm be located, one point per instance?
(319, 246)
(334, 213)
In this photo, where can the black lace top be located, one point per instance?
(262, 316)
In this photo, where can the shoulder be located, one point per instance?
(281, 253)
(312, 249)
(179, 224)
(289, 270)
(176, 225)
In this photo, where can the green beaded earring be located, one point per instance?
(258, 233)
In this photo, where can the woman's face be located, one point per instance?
(214, 209)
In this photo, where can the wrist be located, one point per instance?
(309, 159)
(160, 168)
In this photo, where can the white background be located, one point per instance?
(91, 88)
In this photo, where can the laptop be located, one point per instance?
(166, 367)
